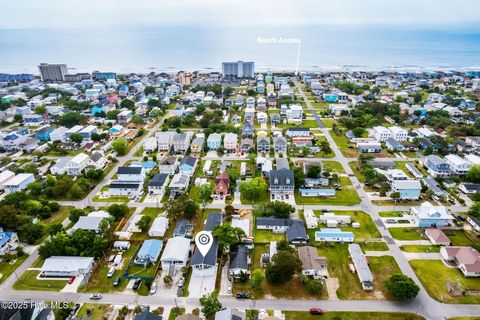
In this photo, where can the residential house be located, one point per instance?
(181, 142)
(246, 144)
(262, 117)
(8, 242)
(467, 259)
(298, 132)
(394, 145)
(5, 176)
(294, 229)
(43, 134)
(398, 134)
(230, 142)
(91, 222)
(408, 189)
(458, 165)
(247, 130)
(222, 182)
(214, 141)
(18, 182)
(312, 264)
(187, 165)
(361, 266)
(428, 216)
(282, 184)
(60, 167)
(129, 182)
(274, 119)
(150, 145)
(97, 160)
(205, 265)
(175, 255)
(67, 266)
(369, 147)
(228, 313)
(149, 252)
(263, 144)
(437, 237)
(77, 164)
(196, 147)
(280, 144)
(58, 134)
(239, 261)
(168, 165)
(437, 167)
(33, 120)
(469, 188)
(87, 132)
(75, 129)
(159, 226)
(474, 223)
(183, 228)
(179, 184)
(157, 184)
(311, 219)
(333, 235)
(124, 117)
(165, 140)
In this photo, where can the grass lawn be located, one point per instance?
(350, 288)
(310, 124)
(333, 166)
(356, 168)
(433, 274)
(399, 203)
(93, 311)
(344, 145)
(463, 238)
(28, 281)
(390, 214)
(419, 248)
(303, 315)
(374, 246)
(58, 217)
(152, 213)
(110, 199)
(401, 233)
(100, 283)
(328, 122)
(402, 166)
(367, 231)
(265, 197)
(265, 236)
(7, 267)
(175, 312)
(348, 196)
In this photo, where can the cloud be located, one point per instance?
(128, 13)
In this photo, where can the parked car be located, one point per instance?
(181, 282)
(153, 288)
(136, 284)
(316, 311)
(111, 271)
(70, 280)
(229, 289)
(116, 282)
(242, 295)
(95, 296)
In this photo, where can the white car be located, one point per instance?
(181, 282)
(153, 288)
(229, 289)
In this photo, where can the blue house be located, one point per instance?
(261, 87)
(394, 145)
(333, 235)
(187, 165)
(214, 141)
(96, 109)
(330, 97)
(149, 252)
(43, 134)
(428, 216)
(408, 189)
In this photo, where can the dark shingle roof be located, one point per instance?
(281, 177)
(158, 180)
(238, 257)
(189, 160)
(129, 170)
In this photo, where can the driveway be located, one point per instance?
(201, 284)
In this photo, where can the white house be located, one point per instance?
(150, 144)
(294, 114)
(311, 220)
(458, 165)
(58, 134)
(5, 176)
(129, 182)
(467, 259)
(312, 264)
(159, 227)
(399, 134)
(60, 167)
(18, 183)
(77, 164)
(158, 183)
(71, 266)
(175, 255)
(164, 140)
(381, 134)
(230, 142)
(426, 216)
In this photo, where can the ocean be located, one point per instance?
(169, 49)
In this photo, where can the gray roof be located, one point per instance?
(145, 315)
(271, 221)
(238, 257)
(168, 160)
(182, 227)
(435, 160)
(282, 163)
(129, 170)
(433, 185)
(123, 185)
(296, 231)
(358, 258)
(158, 180)
(213, 220)
(393, 142)
(281, 177)
(279, 141)
(189, 160)
(96, 156)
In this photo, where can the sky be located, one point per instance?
(132, 13)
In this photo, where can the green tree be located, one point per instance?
(473, 174)
(314, 287)
(227, 91)
(254, 189)
(118, 211)
(71, 119)
(314, 171)
(210, 305)
(227, 235)
(137, 119)
(205, 194)
(94, 174)
(144, 223)
(75, 214)
(299, 176)
(55, 228)
(182, 206)
(283, 266)
(76, 137)
(475, 210)
(402, 287)
(149, 90)
(35, 188)
(283, 245)
(127, 103)
(358, 131)
(120, 146)
(275, 208)
(41, 110)
(257, 279)
(167, 280)
(18, 118)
